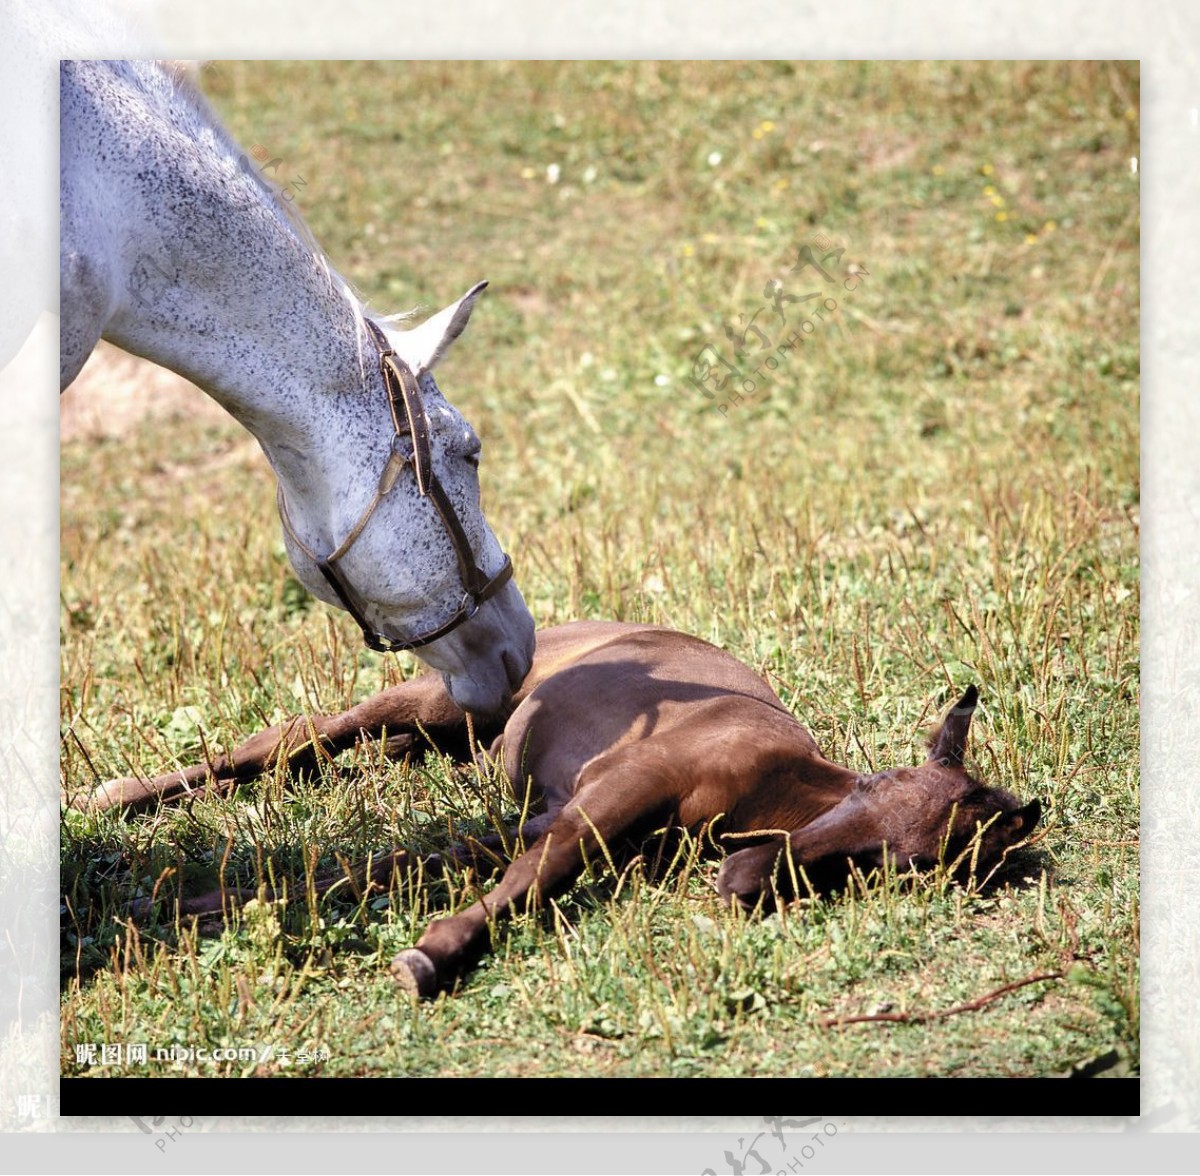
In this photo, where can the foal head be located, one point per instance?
(937, 812)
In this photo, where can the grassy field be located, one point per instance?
(937, 484)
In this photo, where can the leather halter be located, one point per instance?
(410, 447)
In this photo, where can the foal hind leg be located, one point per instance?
(373, 873)
(616, 797)
(482, 853)
(412, 714)
(367, 874)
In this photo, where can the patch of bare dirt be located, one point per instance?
(117, 393)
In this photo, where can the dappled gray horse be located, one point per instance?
(173, 247)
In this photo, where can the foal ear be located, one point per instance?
(949, 743)
(423, 347)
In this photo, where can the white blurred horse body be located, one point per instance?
(175, 249)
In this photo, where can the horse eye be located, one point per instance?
(471, 457)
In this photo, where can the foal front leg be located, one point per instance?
(749, 875)
(607, 807)
(408, 712)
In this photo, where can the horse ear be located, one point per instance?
(423, 347)
(949, 743)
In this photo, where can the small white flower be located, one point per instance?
(714, 157)
(552, 173)
(1133, 166)
(589, 174)
(662, 381)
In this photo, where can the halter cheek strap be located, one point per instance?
(410, 447)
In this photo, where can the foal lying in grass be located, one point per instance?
(620, 730)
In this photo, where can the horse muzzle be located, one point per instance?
(485, 659)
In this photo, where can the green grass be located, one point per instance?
(939, 486)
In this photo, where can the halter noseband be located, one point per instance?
(410, 446)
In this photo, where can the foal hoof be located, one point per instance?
(413, 970)
(114, 794)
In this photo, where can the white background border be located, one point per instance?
(1164, 36)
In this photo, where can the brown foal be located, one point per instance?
(620, 730)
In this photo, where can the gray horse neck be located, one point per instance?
(219, 284)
